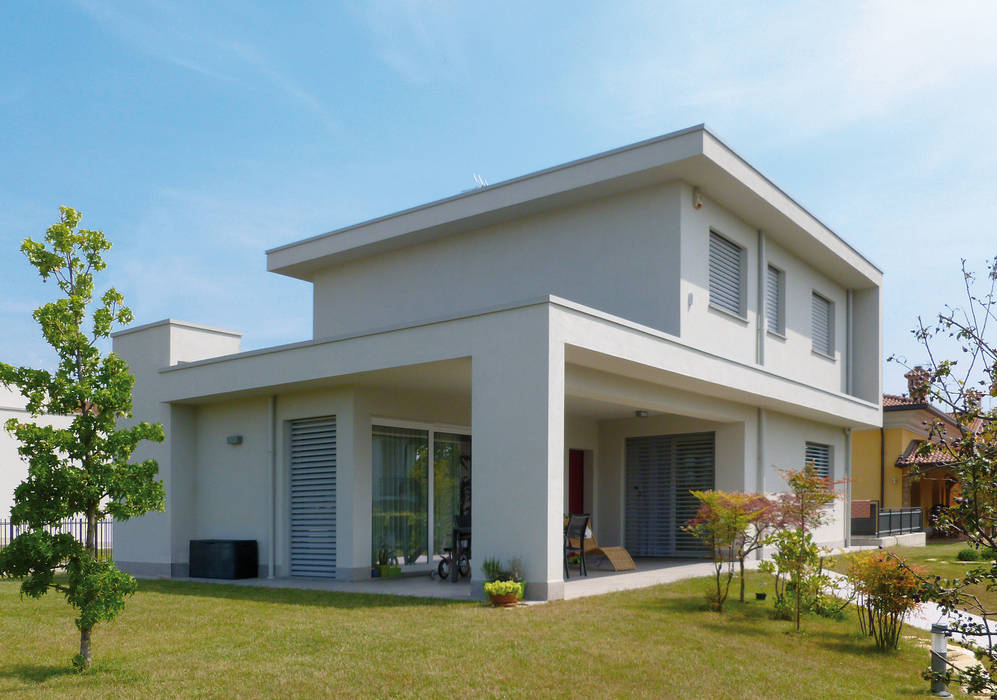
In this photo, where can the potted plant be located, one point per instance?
(494, 572)
(503, 593)
(387, 563)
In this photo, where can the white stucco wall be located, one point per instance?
(13, 468)
(619, 254)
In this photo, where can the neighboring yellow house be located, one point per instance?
(885, 465)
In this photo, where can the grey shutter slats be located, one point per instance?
(820, 456)
(661, 470)
(774, 300)
(313, 497)
(693, 462)
(823, 340)
(726, 271)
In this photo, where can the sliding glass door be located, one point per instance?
(421, 479)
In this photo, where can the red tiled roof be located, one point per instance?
(897, 400)
(911, 456)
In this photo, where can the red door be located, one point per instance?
(576, 481)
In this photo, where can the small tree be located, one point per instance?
(799, 512)
(961, 369)
(83, 469)
(732, 526)
(886, 591)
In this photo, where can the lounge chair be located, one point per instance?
(618, 557)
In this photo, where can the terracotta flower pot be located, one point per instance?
(505, 600)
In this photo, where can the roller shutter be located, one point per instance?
(726, 275)
(313, 497)
(661, 471)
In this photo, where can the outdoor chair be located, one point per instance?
(574, 531)
(618, 557)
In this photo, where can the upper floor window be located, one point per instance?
(820, 456)
(727, 275)
(822, 325)
(775, 300)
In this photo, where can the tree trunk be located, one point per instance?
(741, 562)
(85, 646)
(91, 536)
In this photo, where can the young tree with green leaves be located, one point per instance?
(83, 470)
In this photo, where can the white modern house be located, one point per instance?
(601, 336)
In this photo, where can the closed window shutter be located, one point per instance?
(726, 274)
(661, 470)
(774, 313)
(313, 497)
(819, 456)
(823, 341)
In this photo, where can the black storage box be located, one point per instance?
(224, 559)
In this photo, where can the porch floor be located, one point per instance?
(650, 572)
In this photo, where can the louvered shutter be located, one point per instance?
(774, 314)
(820, 456)
(726, 271)
(823, 341)
(649, 511)
(313, 497)
(693, 462)
(661, 470)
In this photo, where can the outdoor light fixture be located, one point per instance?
(640, 413)
(697, 198)
(234, 439)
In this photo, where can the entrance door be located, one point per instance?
(313, 497)
(576, 481)
(661, 470)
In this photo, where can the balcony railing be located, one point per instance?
(869, 521)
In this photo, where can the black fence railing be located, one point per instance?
(868, 520)
(77, 528)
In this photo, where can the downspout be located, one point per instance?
(882, 468)
(849, 341)
(760, 467)
(760, 315)
(272, 455)
(848, 486)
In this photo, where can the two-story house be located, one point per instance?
(601, 336)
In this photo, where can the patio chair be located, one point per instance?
(618, 557)
(574, 531)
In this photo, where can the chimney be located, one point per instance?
(917, 383)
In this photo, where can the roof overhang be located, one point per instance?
(692, 155)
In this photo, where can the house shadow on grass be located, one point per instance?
(292, 596)
(37, 673)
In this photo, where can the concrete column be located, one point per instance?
(518, 451)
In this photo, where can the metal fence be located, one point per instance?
(870, 521)
(77, 528)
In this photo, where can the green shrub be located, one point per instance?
(501, 587)
(968, 555)
(989, 553)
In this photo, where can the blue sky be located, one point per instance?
(196, 135)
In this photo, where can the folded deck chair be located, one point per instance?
(618, 557)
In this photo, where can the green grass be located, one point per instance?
(939, 559)
(209, 640)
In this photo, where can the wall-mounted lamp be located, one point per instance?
(234, 439)
(697, 198)
(640, 413)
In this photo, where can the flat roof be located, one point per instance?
(694, 155)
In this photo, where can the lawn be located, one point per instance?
(213, 640)
(939, 559)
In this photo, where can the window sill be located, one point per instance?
(728, 314)
(823, 355)
(777, 335)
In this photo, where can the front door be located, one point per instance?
(576, 481)
(661, 470)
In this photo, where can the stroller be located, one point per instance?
(459, 550)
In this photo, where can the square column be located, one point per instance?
(518, 474)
